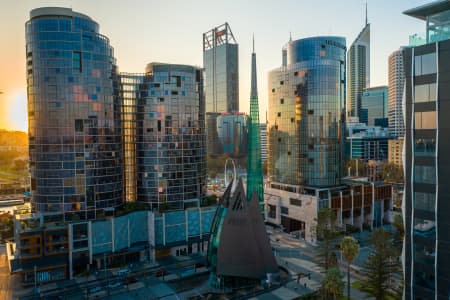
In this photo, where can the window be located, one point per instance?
(282, 101)
(78, 125)
(279, 114)
(425, 174)
(424, 201)
(296, 202)
(425, 93)
(281, 82)
(76, 61)
(284, 210)
(425, 120)
(425, 64)
(424, 147)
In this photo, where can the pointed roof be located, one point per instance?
(244, 249)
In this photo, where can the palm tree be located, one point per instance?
(332, 284)
(350, 250)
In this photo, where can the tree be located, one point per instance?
(350, 250)
(400, 230)
(333, 284)
(392, 173)
(380, 266)
(327, 232)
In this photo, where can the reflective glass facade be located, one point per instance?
(220, 61)
(170, 144)
(306, 107)
(129, 93)
(74, 115)
(374, 106)
(427, 240)
(232, 129)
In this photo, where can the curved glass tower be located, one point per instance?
(73, 114)
(306, 113)
(170, 145)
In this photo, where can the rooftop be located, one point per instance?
(423, 11)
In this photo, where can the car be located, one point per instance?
(115, 284)
(95, 290)
(123, 272)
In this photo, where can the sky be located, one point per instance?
(143, 31)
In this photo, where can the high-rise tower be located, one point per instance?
(426, 161)
(358, 70)
(306, 111)
(396, 81)
(220, 60)
(74, 115)
(254, 168)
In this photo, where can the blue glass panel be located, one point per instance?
(121, 233)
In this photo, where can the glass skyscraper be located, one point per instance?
(306, 113)
(74, 115)
(374, 106)
(396, 80)
(220, 60)
(358, 70)
(170, 143)
(426, 160)
(232, 129)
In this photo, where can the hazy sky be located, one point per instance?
(142, 31)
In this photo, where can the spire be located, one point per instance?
(253, 43)
(254, 90)
(254, 169)
(366, 12)
(290, 36)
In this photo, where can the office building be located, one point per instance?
(358, 70)
(74, 115)
(46, 249)
(263, 129)
(221, 64)
(374, 106)
(367, 142)
(171, 140)
(306, 113)
(427, 163)
(395, 151)
(356, 202)
(232, 129)
(396, 82)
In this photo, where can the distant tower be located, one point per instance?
(254, 168)
(396, 81)
(358, 70)
(220, 60)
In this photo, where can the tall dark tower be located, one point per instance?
(254, 169)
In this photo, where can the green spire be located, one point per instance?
(254, 168)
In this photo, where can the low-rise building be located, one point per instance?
(52, 250)
(357, 202)
(396, 151)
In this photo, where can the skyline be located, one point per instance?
(136, 44)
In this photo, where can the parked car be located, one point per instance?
(95, 290)
(115, 284)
